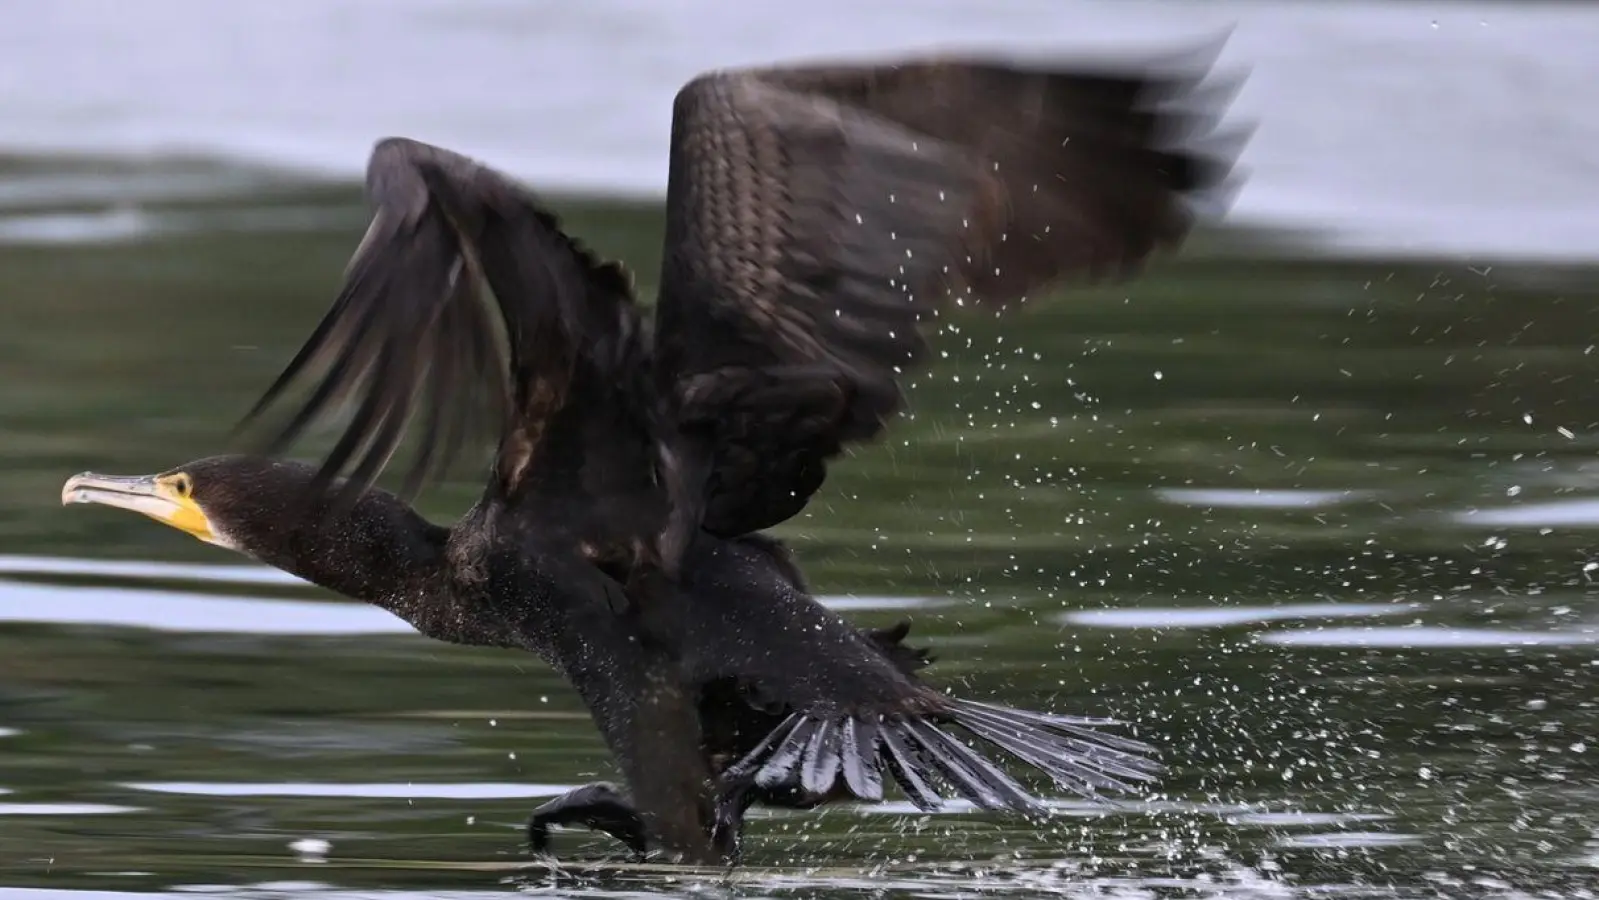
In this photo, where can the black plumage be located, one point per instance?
(818, 218)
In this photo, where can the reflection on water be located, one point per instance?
(1255, 498)
(1423, 637)
(167, 611)
(1212, 617)
(409, 790)
(1559, 514)
(63, 809)
(132, 569)
(212, 613)
(1277, 559)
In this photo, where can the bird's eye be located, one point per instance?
(182, 485)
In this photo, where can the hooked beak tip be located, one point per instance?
(72, 491)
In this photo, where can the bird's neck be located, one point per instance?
(383, 552)
(379, 550)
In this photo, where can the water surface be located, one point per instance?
(1305, 522)
(1321, 525)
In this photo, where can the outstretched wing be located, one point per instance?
(817, 216)
(413, 332)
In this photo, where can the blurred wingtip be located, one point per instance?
(1195, 94)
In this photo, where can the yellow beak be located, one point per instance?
(156, 496)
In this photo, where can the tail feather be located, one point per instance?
(1081, 727)
(1057, 758)
(975, 777)
(1036, 755)
(1118, 759)
(821, 765)
(862, 774)
(788, 755)
(752, 762)
(823, 753)
(905, 764)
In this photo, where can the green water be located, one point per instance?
(1403, 704)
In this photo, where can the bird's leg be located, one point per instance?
(646, 713)
(604, 807)
(600, 806)
(734, 797)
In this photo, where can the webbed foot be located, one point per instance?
(603, 806)
(600, 806)
(734, 798)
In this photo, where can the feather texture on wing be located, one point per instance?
(819, 216)
(466, 296)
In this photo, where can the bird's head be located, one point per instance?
(373, 548)
(229, 501)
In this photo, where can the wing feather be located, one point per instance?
(818, 216)
(464, 298)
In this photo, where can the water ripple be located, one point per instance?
(1238, 498)
(159, 610)
(65, 809)
(1555, 514)
(1221, 617)
(372, 790)
(1426, 637)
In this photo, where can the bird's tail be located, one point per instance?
(821, 754)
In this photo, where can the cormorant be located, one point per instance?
(817, 217)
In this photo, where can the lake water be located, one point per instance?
(1321, 524)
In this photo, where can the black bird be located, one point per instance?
(818, 217)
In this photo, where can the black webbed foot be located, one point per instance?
(734, 798)
(603, 806)
(600, 806)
